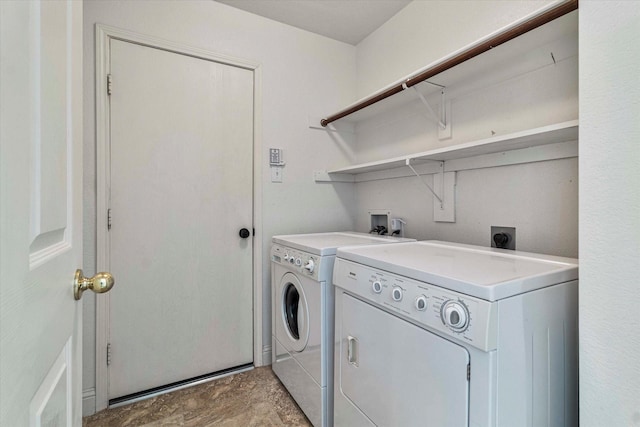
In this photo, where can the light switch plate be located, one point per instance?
(276, 173)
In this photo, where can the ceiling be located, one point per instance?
(349, 21)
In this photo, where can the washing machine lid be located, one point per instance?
(323, 244)
(486, 273)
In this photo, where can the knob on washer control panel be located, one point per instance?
(310, 265)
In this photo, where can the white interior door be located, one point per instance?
(41, 212)
(181, 162)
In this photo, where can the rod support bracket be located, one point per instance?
(408, 163)
(442, 120)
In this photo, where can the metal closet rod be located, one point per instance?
(510, 34)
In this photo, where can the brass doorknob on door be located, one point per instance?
(100, 283)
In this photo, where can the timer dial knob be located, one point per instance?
(455, 315)
(310, 266)
(298, 262)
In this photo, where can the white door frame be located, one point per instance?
(103, 34)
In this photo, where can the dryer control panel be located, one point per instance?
(469, 319)
(308, 264)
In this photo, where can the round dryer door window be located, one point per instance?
(293, 306)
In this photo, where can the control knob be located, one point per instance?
(396, 293)
(286, 256)
(298, 262)
(455, 315)
(376, 287)
(310, 266)
(421, 303)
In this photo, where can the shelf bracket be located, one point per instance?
(408, 163)
(442, 120)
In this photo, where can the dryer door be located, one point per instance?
(294, 313)
(397, 373)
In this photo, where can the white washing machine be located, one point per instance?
(303, 315)
(447, 335)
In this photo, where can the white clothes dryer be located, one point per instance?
(444, 334)
(303, 315)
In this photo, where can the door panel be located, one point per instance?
(397, 373)
(181, 188)
(41, 212)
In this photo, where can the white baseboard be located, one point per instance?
(88, 402)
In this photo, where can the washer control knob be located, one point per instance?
(298, 262)
(396, 293)
(286, 256)
(310, 265)
(421, 303)
(292, 259)
(376, 287)
(455, 315)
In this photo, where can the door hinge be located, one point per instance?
(108, 219)
(468, 371)
(108, 354)
(109, 82)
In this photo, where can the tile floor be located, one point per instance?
(252, 398)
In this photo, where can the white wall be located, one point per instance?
(539, 199)
(302, 74)
(426, 31)
(609, 213)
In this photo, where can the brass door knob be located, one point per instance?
(100, 283)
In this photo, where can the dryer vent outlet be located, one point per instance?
(503, 237)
